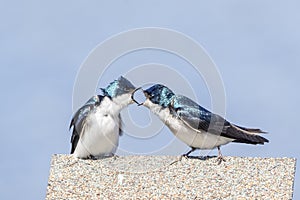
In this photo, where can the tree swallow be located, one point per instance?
(194, 125)
(97, 124)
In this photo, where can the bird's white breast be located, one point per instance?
(101, 131)
(193, 138)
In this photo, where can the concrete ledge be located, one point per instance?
(152, 177)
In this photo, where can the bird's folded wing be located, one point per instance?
(120, 125)
(79, 118)
(199, 119)
(219, 126)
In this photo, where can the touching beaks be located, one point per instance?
(132, 96)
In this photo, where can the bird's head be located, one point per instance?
(120, 91)
(158, 95)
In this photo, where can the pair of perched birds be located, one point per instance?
(97, 124)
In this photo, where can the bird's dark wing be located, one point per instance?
(79, 118)
(200, 119)
(197, 117)
(120, 125)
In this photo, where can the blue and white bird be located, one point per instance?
(194, 125)
(97, 124)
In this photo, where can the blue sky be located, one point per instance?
(255, 44)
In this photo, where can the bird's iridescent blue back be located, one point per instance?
(185, 104)
(197, 116)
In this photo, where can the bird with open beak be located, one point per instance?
(193, 124)
(97, 124)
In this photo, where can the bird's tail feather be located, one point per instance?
(247, 135)
(252, 130)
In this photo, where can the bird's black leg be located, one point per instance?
(188, 153)
(115, 156)
(220, 157)
(92, 157)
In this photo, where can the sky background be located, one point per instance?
(255, 45)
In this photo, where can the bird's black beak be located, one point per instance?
(132, 96)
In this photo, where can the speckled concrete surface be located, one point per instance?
(152, 177)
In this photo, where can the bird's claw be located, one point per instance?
(178, 160)
(220, 159)
(115, 157)
(184, 156)
(92, 157)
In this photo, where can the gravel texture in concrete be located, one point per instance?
(152, 177)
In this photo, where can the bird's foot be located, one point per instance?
(185, 155)
(115, 157)
(92, 157)
(179, 159)
(204, 157)
(220, 158)
(200, 157)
